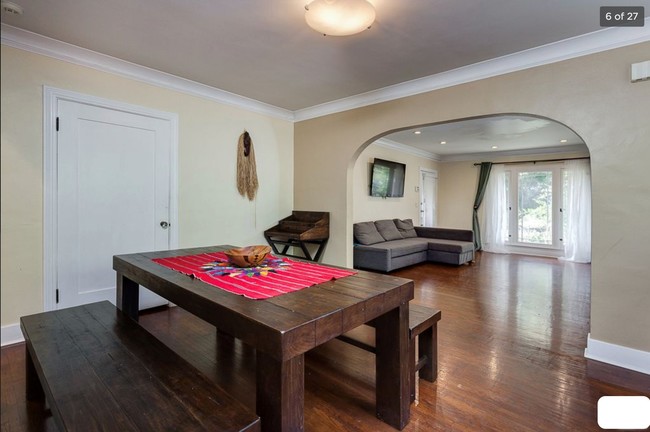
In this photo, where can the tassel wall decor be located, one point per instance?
(247, 183)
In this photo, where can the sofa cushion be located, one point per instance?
(454, 246)
(406, 228)
(403, 247)
(388, 230)
(366, 233)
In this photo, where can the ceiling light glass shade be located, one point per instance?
(339, 17)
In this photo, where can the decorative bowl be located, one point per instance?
(249, 256)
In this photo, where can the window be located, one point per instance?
(535, 199)
(540, 209)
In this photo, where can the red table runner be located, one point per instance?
(275, 276)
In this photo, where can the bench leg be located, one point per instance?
(428, 345)
(413, 362)
(34, 389)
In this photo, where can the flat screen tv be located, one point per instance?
(387, 179)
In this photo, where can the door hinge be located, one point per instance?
(57, 124)
(57, 295)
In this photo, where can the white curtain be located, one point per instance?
(494, 231)
(577, 235)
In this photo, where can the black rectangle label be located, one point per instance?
(622, 16)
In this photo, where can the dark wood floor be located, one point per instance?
(511, 357)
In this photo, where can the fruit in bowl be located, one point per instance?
(249, 256)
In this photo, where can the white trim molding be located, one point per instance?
(389, 144)
(11, 334)
(617, 355)
(590, 43)
(38, 44)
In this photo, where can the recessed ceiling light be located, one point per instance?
(495, 147)
(417, 132)
(563, 140)
(443, 142)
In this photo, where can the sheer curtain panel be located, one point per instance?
(495, 212)
(577, 235)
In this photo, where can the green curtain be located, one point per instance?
(483, 177)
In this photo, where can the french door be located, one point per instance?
(535, 206)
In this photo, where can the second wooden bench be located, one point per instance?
(423, 331)
(100, 371)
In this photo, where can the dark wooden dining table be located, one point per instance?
(283, 328)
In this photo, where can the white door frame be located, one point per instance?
(51, 98)
(435, 174)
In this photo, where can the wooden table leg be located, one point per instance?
(393, 367)
(34, 388)
(128, 296)
(281, 393)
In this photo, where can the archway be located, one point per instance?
(451, 148)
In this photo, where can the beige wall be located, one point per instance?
(210, 209)
(593, 96)
(456, 190)
(368, 208)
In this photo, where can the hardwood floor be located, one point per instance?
(511, 356)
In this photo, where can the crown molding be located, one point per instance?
(590, 43)
(601, 40)
(491, 156)
(38, 44)
(393, 145)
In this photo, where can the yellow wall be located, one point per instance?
(210, 209)
(368, 208)
(592, 95)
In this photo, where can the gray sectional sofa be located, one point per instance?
(389, 244)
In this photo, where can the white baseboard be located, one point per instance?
(617, 355)
(11, 334)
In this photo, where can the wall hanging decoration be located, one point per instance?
(247, 183)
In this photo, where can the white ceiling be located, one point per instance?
(263, 49)
(496, 135)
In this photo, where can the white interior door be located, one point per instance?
(112, 195)
(428, 192)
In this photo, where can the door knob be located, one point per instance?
(164, 224)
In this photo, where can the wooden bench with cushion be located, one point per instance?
(423, 328)
(99, 370)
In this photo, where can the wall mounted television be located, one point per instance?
(387, 179)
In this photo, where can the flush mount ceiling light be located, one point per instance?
(339, 17)
(11, 8)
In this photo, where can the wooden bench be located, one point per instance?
(98, 370)
(423, 328)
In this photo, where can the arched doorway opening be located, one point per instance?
(533, 148)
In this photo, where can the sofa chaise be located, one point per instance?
(390, 244)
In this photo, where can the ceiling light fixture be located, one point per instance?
(417, 132)
(563, 140)
(443, 142)
(339, 17)
(495, 147)
(11, 8)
